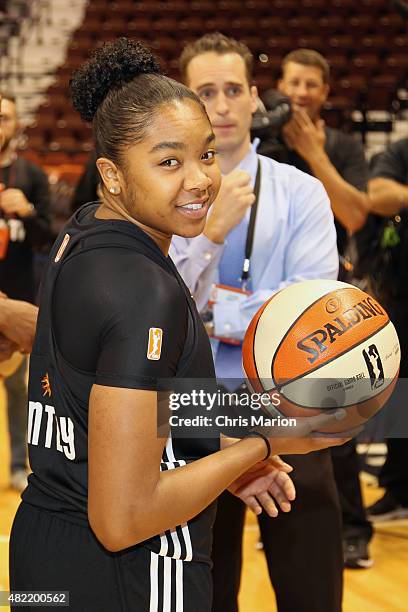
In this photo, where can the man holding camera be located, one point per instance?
(333, 157)
(260, 236)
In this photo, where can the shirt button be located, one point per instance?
(227, 327)
(207, 256)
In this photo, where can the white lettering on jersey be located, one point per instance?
(48, 436)
(67, 435)
(35, 410)
(63, 427)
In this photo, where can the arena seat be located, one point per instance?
(344, 42)
(380, 95)
(273, 26)
(366, 64)
(298, 26)
(392, 23)
(311, 41)
(397, 64)
(375, 42)
(280, 44)
(329, 25)
(342, 7)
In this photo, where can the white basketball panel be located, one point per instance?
(360, 374)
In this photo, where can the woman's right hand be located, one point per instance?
(306, 436)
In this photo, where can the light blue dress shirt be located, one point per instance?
(294, 240)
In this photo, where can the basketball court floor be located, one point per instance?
(384, 588)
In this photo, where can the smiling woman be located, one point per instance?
(115, 513)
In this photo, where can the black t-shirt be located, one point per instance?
(99, 305)
(393, 164)
(347, 156)
(16, 270)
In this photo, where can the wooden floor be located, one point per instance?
(384, 588)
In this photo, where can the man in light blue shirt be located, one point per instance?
(294, 240)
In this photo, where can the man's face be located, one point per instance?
(305, 87)
(9, 123)
(222, 84)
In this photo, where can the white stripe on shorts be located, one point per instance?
(167, 585)
(154, 582)
(179, 586)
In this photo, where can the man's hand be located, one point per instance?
(304, 136)
(7, 348)
(14, 202)
(234, 198)
(18, 321)
(266, 485)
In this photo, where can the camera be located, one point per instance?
(274, 110)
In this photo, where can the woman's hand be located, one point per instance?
(266, 485)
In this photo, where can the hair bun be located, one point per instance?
(111, 66)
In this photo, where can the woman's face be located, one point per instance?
(171, 179)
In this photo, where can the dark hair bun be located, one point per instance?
(111, 66)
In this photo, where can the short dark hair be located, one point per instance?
(118, 89)
(308, 57)
(217, 43)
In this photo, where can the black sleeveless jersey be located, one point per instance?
(115, 312)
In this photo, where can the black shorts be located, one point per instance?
(52, 553)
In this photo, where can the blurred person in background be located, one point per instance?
(388, 190)
(17, 319)
(24, 224)
(338, 161)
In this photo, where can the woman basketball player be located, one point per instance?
(114, 514)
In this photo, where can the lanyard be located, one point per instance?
(251, 230)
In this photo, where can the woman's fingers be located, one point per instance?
(278, 463)
(268, 503)
(253, 504)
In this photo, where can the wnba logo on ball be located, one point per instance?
(374, 366)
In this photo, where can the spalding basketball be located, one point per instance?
(321, 345)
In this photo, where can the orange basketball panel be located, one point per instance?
(331, 326)
(248, 357)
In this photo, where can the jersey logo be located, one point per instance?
(45, 383)
(154, 345)
(62, 248)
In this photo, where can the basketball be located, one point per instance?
(321, 345)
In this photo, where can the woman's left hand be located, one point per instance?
(267, 485)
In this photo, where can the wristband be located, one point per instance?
(257, 434)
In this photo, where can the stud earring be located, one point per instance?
(114, 190)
